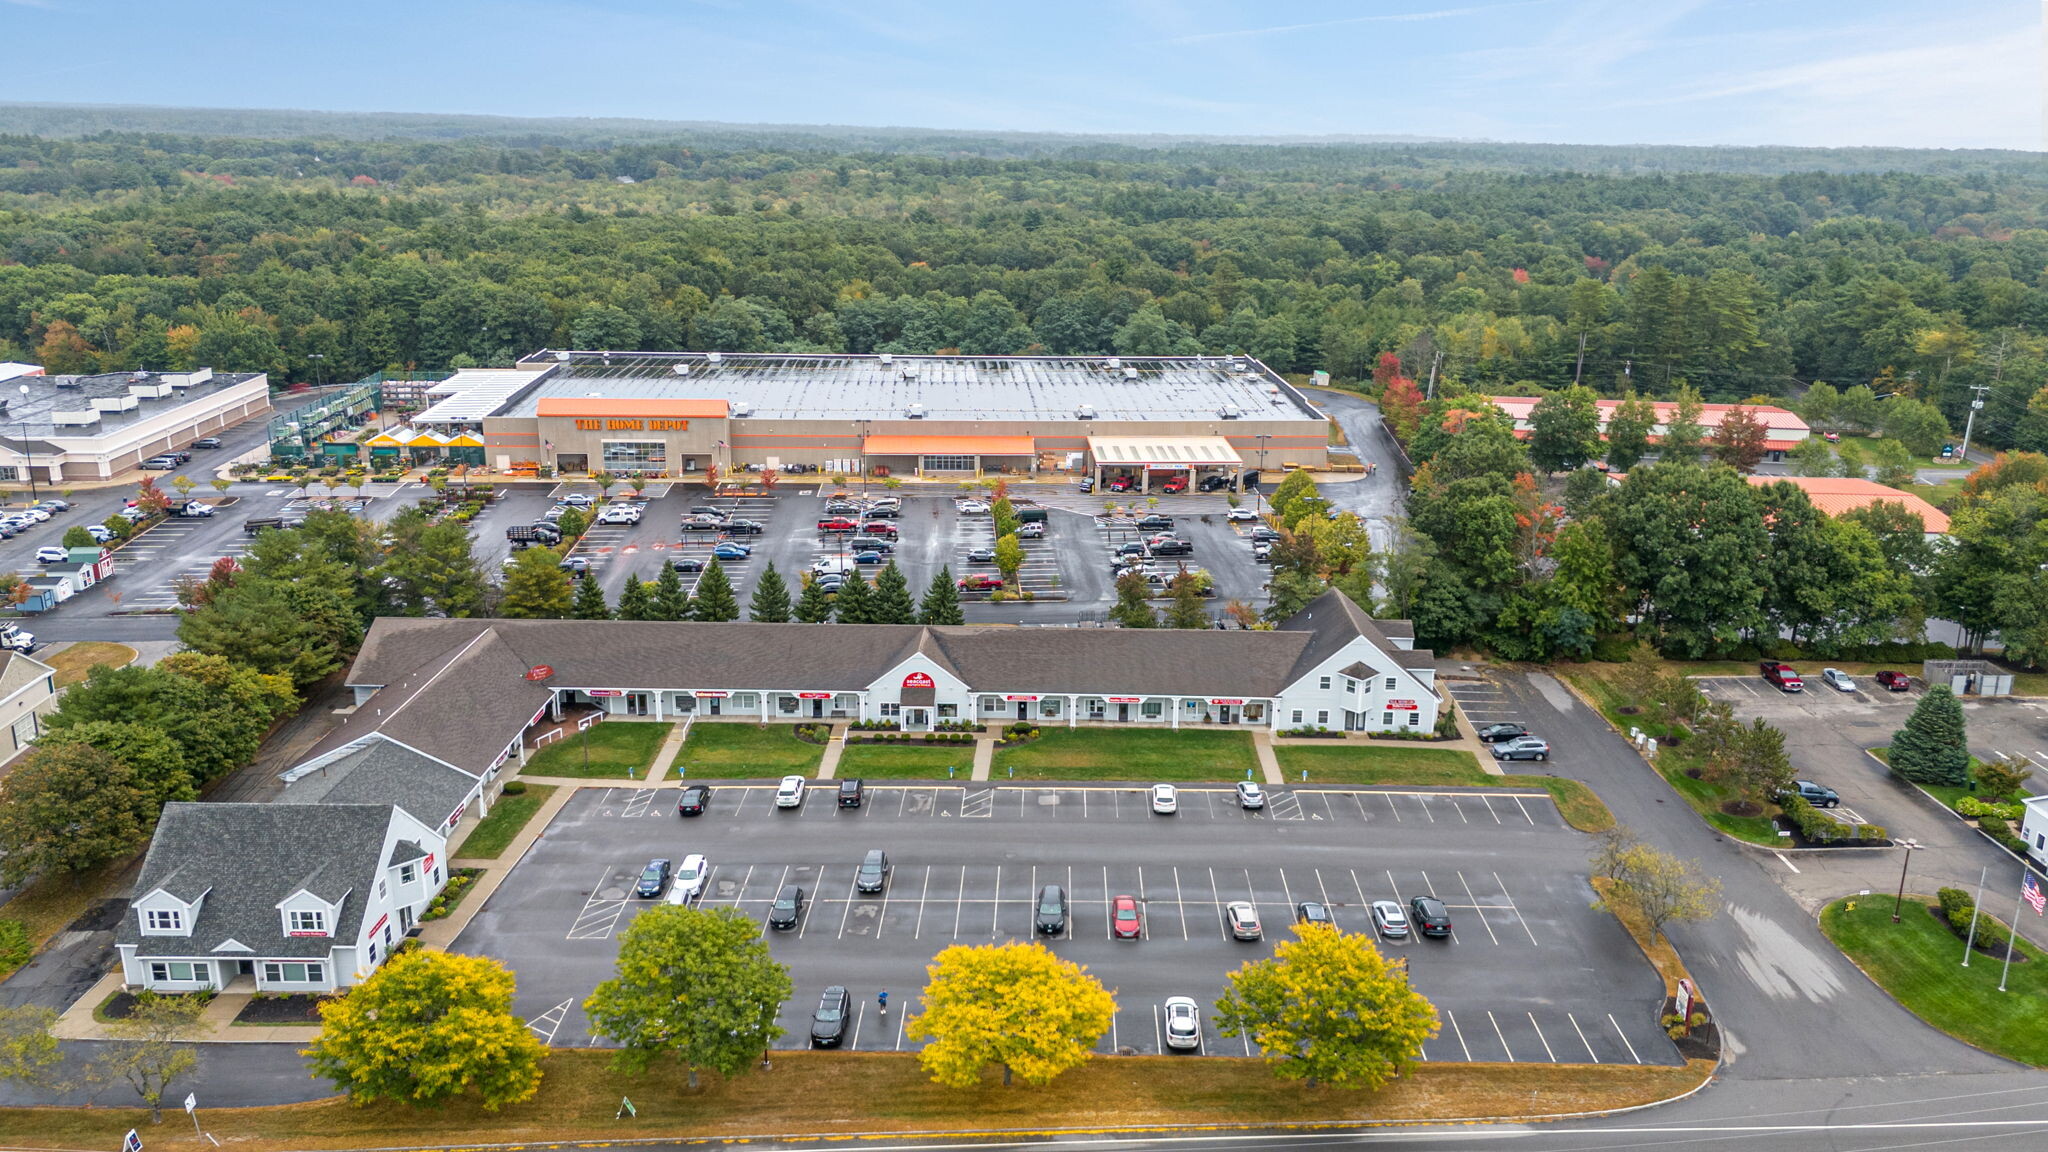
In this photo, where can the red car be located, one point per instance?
(879, 528)
(838, 524)
(1120, 484)
(1783, 675)
(1176, 484)
(1894, 681)
(1124, 923)
(980, 583)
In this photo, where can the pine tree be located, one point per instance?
(589, 603)
(855, 603)
(812, 605)
(714, 602)
(891, 603)
(941, 604)
(636, 600)
(669, 601)
(1933, 748)
(770, 604)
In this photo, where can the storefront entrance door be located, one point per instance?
(817, 709)
(1225, 714)
(1123, 713)
(715, 701)
(637, 704)
(1023, 710)
(573, 462)
(916, 719)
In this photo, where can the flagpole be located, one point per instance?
(2012, 937)
(1976, 910)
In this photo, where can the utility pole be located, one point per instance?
(1430, 392)
(1580, 369)
(1977, 402)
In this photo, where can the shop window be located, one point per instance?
(1297, 717)
(635, 455)
(948, 463)
(892, 711)
(991, 704)
(787, 705)
(1386, 719)
(181, 971)
(1095, 707)
(293, 972)
(1152, 709)
(1255, 712)
(747, 700)
(10, 473)
(1049, 708)
(949, 711)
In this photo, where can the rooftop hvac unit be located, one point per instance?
(1228, 413)
(888, 359)
(1085, 412)
(681, 369)
(1236, 363)
(742, 408)
(910, 371)
(1130, 373)
(562, 356)
(916, 412)
(1115, 363)
(714, 357)
(66, 381)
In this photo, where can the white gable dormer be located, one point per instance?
(304, 914)
(161, 914)
(232, 945)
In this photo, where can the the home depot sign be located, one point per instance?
(623, 424)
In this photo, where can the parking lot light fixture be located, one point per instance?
(1900, 899)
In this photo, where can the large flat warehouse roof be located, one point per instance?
(807, 387)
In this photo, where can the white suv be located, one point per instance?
(1183, 1023)
(690, 877)
(790, 793)
(619, 514)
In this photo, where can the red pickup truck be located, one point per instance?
(1783, 675)
(838, 524)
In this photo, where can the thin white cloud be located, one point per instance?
(1385, 18)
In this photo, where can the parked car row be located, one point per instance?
(1514, 742)
(1787, 679)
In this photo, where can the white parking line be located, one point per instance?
(917, 933)
(1624, 1039)
(1511, 907)
(1582, 1037)
(1459, 1033)
(804, 921)
(859, 1014)
(1474, 901)
(1180, 905)
(959, 901)
(1540, 1036)
(1489, 808)
(1503, 1038)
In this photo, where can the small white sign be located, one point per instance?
(191, 1103)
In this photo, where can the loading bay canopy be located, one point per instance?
(1163, 452)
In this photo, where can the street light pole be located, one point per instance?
(28, 450)
(1900, 899)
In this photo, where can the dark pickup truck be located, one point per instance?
(524, 534)
(255, 524)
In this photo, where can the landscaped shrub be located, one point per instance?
(1817, 826)
(1971, 806)
(514, 788)
(1957, 907)
(15, 946)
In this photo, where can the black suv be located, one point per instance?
(1818, 795)
(1429, 916)
(1497, 732)
(653, 880)
(828, 1023)
(1052, 910)
(851, 793)
(696, 798)
(873, 873)
(788, 907)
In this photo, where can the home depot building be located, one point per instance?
(677, 413)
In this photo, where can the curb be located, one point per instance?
(1958, 817)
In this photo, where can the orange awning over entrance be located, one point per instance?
(948, 446)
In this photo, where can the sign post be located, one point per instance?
(131, 1142)
(192, 1110)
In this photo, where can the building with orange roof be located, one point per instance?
(1835, 495)
(1782, 429)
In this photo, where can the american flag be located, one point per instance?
(2031, 889)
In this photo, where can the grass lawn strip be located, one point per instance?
(75, 661)
(905, 761)
(48, 905)
(735, 751)
(615, 746)
(1397, 765)
(1129, 754)
(817, 1092)
(1919, 962)
(496, 831)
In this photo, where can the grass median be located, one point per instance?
(613, 748)
(76, 660)
(826, 1093)
(1919, 962)
(1408, 766)
(905, 761)
(495, 832)
(1129, 754)
(734, 750)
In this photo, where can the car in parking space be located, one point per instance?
(1120, 484)
(885, 511)
(579, 500)
(575, 565)
(99, 532)
(687, 564)
(971, 507)
(1214, 483)
(1031, 530)
(1250, 795)
(1266, 534)
(979, 583)
(882, 528)
(873, 874)
(1892, 681)
(653, 879)
(789, 793)
(1124, 921)
(160, 463)
(52, 505)
(1165, 799)
(1170, 546)
(788, 907)
(1154, 522)
(1183, 1023)
(852, 792)
(838, 524)
(1244, 920)
(554, 515)
(870, 544)
(1175, 484)
(1241, 516)
(1313, 912)
(731, 551)
(830, 584)
(745, 527)
(1086, 485)
(1522, 748)
(1837, 679)
(1495, 733)
(207, 442)
(694, 800)
(1262, 549)
(1783, 675)
(1389, 920)
(1430, 916)
(828, 1023)
(1052, 910)
(981, 555)
(619, 514)
(39, 515)
(868, 557)
(689, 880)
(51, 554)
(1818, 795)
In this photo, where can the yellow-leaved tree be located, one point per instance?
(1014, 1004)
(1328, 1009)
(426, 1028)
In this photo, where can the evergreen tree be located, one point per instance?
(812, 605)
(1132, 609)
(770, 603)
(636, 600)
(1933, 747)
(1186, 610)
(855, 603)
(589, 603)
(891, 603)
(669, 601)
(714, 602)
(941, 604)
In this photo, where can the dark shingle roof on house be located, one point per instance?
(251, 857)
(460, 700)
(382, 771)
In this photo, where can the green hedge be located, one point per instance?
(1820, 828)
(1957, 906)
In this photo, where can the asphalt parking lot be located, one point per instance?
(1530, 973)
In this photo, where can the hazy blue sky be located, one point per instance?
(1955, 73)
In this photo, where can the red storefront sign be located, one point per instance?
(604, 692)
(715, 694)
(918, 680)
(539, 672)
(1123, 699)
(1021, 699)
(814, 695)
(1218, 700)
(1402, 706)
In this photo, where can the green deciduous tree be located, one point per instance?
(941, 603)
(695, 985)
(1628, 432)
(770, 602)
(77, 537)
(150, 1048)
(714, 601)
(1688, 546)
(1295, 486)
(1657, 887)
(1565, 429)
(1009, 561)
(536, 588)
(28, 1052)
(299, 630)
(156, 760)
(1328, 1009)
(426, 1028)
(69, 808)
(1015, 1005)
(1187, 609)
(1933, 747)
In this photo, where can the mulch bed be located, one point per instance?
(290, 1008)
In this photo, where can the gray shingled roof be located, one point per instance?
(251, 857)
(457, 696)
(382, 771)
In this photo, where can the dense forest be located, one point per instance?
(1735, 272)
